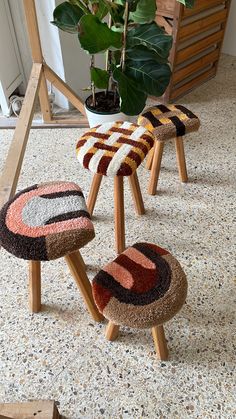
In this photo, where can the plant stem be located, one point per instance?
(126, 18)
(92, 83)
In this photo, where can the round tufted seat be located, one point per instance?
(167, 122)
(143, 287)
(115, 149)
(45, 222)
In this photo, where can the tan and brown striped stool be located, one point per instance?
(167, 122)
(46, 222)
(143, 287)
(115, 149)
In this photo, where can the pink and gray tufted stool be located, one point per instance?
(46, 222)
(115, 149)
(167, 122)
(143, 287)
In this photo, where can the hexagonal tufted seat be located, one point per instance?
(46, 221)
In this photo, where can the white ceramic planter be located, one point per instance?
(95, 118)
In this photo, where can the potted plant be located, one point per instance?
(136, 50)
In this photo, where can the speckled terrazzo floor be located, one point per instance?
(61, 354)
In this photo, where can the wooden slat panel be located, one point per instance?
(202, 25)
(199, 46)
(161, 21)
(12, 167)
(195, 66)
(201, 5)
(193, 83)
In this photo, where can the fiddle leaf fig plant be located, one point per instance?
(136, 48)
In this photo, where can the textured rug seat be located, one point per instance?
(143, 287)
(45, 222)
(115, 149)
(167, 122)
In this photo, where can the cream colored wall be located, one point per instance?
(229, 46)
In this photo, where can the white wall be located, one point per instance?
(229, 45)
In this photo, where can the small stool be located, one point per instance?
(115, 149)
(166, 122)
(46, 222)
(143, 287)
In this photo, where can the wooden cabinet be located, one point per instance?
(198, 35)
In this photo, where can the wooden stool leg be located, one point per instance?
(112, 331)
(156, 165)
(74, 261)
(93, 193)
(180, 156)
(119, 213)
(160, 342)
(137, 195)
(34, 286)
(150, 159)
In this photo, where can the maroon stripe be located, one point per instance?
(134, 143)
(134, 156)
(149, 139)
(87, 159)
(96, 135)
(104, 146)
(81, 143)
(103, 165)
(124, 170)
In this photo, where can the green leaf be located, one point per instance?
(95, 36)
(145, 12)
(151, 36)
(66, 17)
(150, 77)
(99, 77)
(132, 100)
(142, 53)
(187, 3)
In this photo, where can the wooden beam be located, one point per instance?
(37, 55)
(64, 89)
(39, 409)
(12, 167)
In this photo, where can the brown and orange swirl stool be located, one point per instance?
(46, 222)
(143, 287)
(167, 122)
(115, 149)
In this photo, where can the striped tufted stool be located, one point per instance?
(143, 287)
(45, 222)
(115, 149)
(167, 122)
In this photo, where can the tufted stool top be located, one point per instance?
(114, 148)
(46, 221)
(143, 287)
(170, 121)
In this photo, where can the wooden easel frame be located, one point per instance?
(37, 87)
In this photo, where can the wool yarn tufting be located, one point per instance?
(114, 148)
(143, 287)
(46, 221)
(170, 121)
